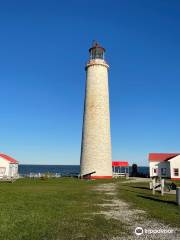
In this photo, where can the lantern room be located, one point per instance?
(96, 51)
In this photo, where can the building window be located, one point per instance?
(155, 170)
(163, 171)
(176, 171)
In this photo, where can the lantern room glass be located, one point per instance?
(97, 53)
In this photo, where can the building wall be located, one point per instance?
(4, 167)
(158, 166)
(169, 165)
(153, 165)
(175, 163)
(96, 139)
(7, 169)
(13, 170)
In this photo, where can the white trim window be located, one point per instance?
(176, 172)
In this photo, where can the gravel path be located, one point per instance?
(118, 209)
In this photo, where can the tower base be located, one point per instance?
(100, 177)
(97, 177)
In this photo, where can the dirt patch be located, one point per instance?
(114, 208)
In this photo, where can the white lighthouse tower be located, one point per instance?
(96, 159)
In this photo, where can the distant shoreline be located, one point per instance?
(36, 164)
(78, 165)
(64, 170)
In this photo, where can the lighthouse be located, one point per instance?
(96, 160)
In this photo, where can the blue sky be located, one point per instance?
(43, 50)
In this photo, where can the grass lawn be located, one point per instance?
(160, 207)
(52, 209)
(63, 209)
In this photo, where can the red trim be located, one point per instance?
(10, 159)
(100, 177)
(120, 164)
(175, 178)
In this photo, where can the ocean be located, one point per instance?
(63, 170)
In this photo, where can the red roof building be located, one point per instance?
(164, 165)
(8, 167)
(120, 168)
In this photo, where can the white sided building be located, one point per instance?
(8, 167)
(165, 165)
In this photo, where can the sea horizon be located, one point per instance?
(63, 170)
(68, 164)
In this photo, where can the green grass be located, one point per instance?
(163, 208)
(52, 209)
(64, 209)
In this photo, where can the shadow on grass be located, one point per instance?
(131, 191)
(146, 188)
(157, 200)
